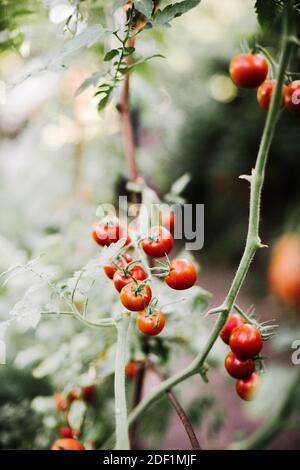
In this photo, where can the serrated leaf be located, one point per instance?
(145, 7)
(165, 16)
(267, 11)
(87, 38)
(110, 55)
(180, 184)
(76, 414)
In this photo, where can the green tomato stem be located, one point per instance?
(122, 438)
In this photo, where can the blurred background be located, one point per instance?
(60, 158)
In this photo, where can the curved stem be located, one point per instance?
(185, 421)
(253, 242)
(122, 438)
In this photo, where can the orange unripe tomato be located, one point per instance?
(284, 270)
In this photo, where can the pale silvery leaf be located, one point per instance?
(51, 364)
(42, 404)
(2, 352)
(87, 38)
(110, 252)
(145, 7)
(92, 80)
(118, 4)
(28, 356)
(180, 184)
(77, 413)
(149, 198)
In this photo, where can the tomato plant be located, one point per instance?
(67, 444)
(292, 96)
(122, 278)
(238, 368)
(136, 296)
(234, 320)
(246, 388)
(151, 322)
(182, 275)
(264, 94)
(159, 243)
(246, 341)
(138, 257)
(248, 70)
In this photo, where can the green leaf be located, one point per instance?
(87, 38)
(111, 54)
(103, 102)
(267, 11)
(142, 61)
(145, 7)
(128, 51)
(165, 16)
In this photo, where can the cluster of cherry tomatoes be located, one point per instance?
(68, 436)
(251, 70)
(245, 342)
(130, 277)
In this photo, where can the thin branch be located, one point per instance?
(126, 120)
(185, 421)
(122, 438)
(181, 414)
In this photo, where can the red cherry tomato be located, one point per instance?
(67, 444)
(238, 368)
(248, 70)
(121, 279)
(60, 401)
(66, 431)
(106, 233)
(246, 388)
(159, 242)
(72, 395)
(246, 341)
(264, 94)
(168, 219)
(136, 297)
(182, 274)
(110, 269)
(292, 96)
(88, 392)
(132, 369)
(151, 323)
(234, 320)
